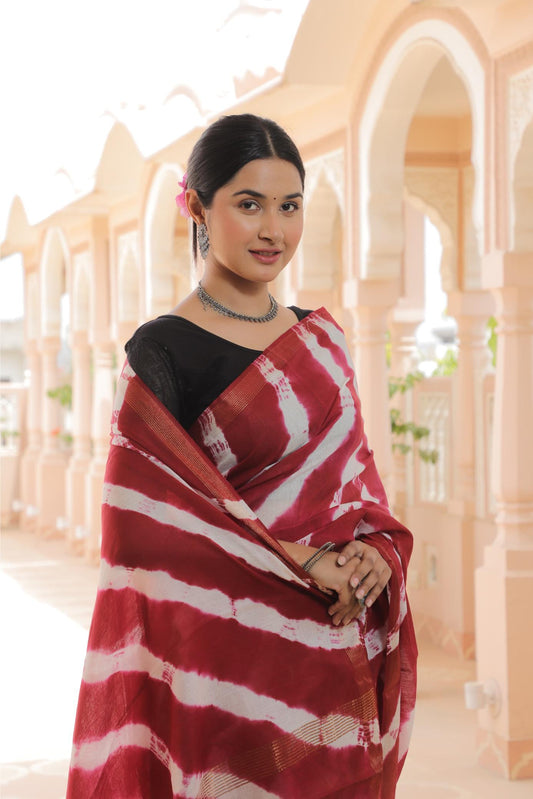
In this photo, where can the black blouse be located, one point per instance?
(186, 366)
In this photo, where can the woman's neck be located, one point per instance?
(242, 296)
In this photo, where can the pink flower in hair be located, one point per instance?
(180, 198)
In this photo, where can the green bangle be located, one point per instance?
(315, 557)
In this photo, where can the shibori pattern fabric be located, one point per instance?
(213, 669)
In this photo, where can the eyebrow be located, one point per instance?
(260, 196)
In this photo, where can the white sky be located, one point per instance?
(70, 68)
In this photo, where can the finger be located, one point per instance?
(347, 614)
(376, 590)
(352, 550)
(343, 603)
(353, 614)
(371, 566)
(366, 585)
(377, 577)
(350, 618)
(373, 583)
(340, 609)
(362, 574)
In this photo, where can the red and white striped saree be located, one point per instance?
(213, 669)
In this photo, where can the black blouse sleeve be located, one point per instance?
(152, 363)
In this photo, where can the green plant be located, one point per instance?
(8, 437)
(403, 384)
(407, 435)
(63, 394)
(446, 365)
(492, 341)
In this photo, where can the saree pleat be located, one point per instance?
(213, 669)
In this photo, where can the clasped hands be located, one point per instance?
(356, 573)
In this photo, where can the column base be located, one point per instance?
(51, 472)
(76, 502)
(512, 759)
(95, 485)
(504, 598)
(8, 487)
(28, 480)
(440, 578)
(458, 643)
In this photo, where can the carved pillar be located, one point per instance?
(403, 360)
(103, 384)
(32, 452)
(373, 301)
(52, 461)
(504, 584)
(103, 391)
(125, 330)
(78, 467)
(408, 313)
(471, 311)
(127, 306)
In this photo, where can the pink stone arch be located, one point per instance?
(393, 97)
(164, 268)
(54, 269)
(321, 265)
(522, 194)
(81, 293)
(448, 242)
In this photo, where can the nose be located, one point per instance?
(270, 226)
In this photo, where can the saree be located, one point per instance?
(213, 668)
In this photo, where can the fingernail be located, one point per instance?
(368, 603)
(360, 594)
(354, 582)
(341, 560)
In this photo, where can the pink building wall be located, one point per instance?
(405, 109)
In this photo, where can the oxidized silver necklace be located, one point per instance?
(209, 302)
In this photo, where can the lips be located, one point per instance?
(266, 256)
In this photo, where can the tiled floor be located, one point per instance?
(46, 597)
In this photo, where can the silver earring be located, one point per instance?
(203, 240)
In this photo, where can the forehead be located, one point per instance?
(268, 176)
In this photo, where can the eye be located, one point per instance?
(249, 205)
(290, 206)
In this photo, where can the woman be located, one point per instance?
(251, 635)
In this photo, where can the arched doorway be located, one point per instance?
(129, 288)
(522, 195)
(396, 92)
(56, 376)
(169, 274)
(422, 133)
(320, 267)
(76, 499)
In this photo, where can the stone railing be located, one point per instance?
(432, 409)
(12, 427)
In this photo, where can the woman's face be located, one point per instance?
(255, 221)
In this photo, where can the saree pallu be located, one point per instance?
(213, 668)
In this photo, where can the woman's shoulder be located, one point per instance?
(162, 329)
(168, 329)
(301, 313)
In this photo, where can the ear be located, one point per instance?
(194, 206)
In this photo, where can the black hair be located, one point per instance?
(227, 146)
